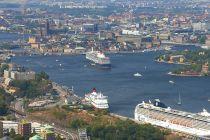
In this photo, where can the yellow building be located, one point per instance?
(181, 60)
(32, 40)
(205, 68)
(12, 90)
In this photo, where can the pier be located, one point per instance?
(65, 91)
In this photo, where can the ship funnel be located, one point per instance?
(94, 89)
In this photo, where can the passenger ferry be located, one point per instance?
(97, 99)
(158, 114)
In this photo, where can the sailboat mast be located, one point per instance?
(180, 101)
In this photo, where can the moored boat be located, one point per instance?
(97, 99)
(158, 114)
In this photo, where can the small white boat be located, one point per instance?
(60, 64)
(205, 113)
(172, 82)
(137, 74)
(56, 60)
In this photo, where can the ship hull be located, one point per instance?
(184, 122)
(98, 59)
(92, 63)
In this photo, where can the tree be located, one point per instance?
(3, 107)
(12, 133)
(19, 137)
(77, 123)
(3, 67)
(202, 40)
(42, 75)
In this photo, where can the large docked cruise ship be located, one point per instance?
(159, 114)
(98, 58)
(98, 100)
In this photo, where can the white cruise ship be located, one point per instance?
(98, 58)
(158, 114)
(98, 100)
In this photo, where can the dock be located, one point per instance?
(65, 91)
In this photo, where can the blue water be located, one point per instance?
(123, 89)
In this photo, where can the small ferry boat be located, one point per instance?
(137, 74)
(172, 82)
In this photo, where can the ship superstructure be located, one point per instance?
(158, 114)
(98, 58)
(97, 99)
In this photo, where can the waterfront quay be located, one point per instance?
(65, 92)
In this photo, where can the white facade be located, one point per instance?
(199, 26)
(16, 75)
(130, 32)
(14, 125)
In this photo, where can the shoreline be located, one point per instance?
(75, 54)
(184, 75)
(175, 63)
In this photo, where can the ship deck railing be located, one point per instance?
(184, 114)
(179, 120)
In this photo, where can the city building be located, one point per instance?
(205, 68)
(131, 32)
(8, 125)
(82, 134)
(24, 128)
(19, 75)
(199, 26)
(1, 129)
(177, 58)
(47, 27)
(91, 28)
(32, 40)
(47, 132)
(207, 40)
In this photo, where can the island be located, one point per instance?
(194, 63)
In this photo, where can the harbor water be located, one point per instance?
(125, 90)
